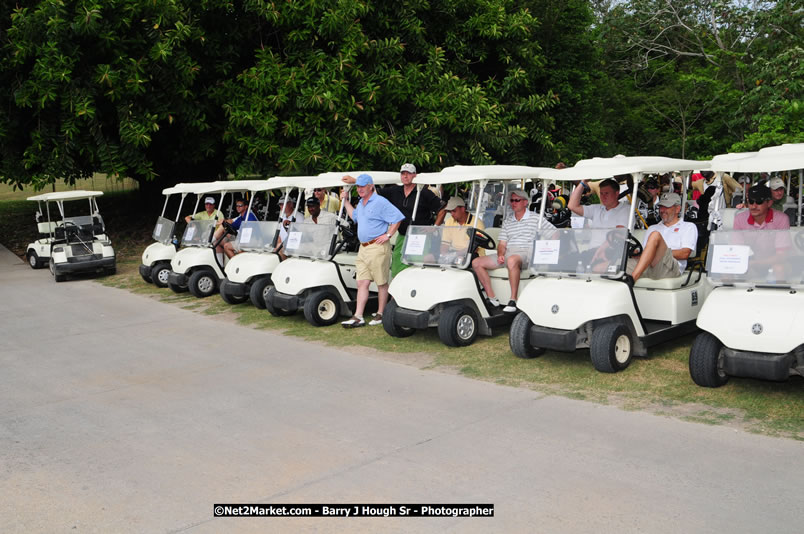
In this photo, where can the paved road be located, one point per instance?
(119, 413)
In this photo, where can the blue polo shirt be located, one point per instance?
(239, 219)
(374, 217)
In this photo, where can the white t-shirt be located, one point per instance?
(324, 217)
(680, 235)
(600, 217)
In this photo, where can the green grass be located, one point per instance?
(660, 384)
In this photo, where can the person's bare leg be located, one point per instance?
(362, 296)
(514, 265)
(382, 298)
(652, 253)
(480, 266)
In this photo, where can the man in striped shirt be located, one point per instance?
(513, 248)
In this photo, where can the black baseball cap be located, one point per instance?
(759, 193)
(312, 200)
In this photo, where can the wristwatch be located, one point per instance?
(389, 236)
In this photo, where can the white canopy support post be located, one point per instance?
(543, 206)
(636, 177)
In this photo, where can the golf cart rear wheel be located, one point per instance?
(227, 297)
(389, 322)
(519, 338)
(259, 292)
(706, 361)
(176, 288)
(203, 283)
(322, 307)
(34, 261)
(457, 326)
(160, 273)
(56, 277)
(273, 310)
(611, 348)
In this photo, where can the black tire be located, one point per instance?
(159, 273)
(706, 361)
(177, 288)
(457, 326)
(259, 291)
(227, 297)
(322, 307)
(109, 271)
(611, 347)
(146, 278)
(203, 283)
(519, 338)
(34, 261)
(56, 277)
(389, 322)
(269, 305)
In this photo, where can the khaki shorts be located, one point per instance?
(374, 263)
(667, 268)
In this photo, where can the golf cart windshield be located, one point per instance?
(310, 240)
(583, 252)
(163, 231)
(443, 246)
(770, 258)
(197, 233)
(255, 236)
(492, 203)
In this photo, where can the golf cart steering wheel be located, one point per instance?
(483, 240)
(634, 247)
(229, 229)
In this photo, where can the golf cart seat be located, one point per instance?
(665, 283)
(727, 216)
(494, 233)
(97, 226)
(46, 227)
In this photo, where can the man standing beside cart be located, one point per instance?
(377, 222)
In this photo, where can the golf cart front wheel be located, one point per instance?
(273, 310)
(322, 308)
(160, 273)
(457, 326)
(519, 338)
(203, 283)
(259, 292)
(34, 261)
(389, 322)
(611, 348)
(57, 277)
(706, 361)
(227, 297)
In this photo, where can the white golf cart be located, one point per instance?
(320, 277)
(156, 257)
(195, 267)
(442, 290)
(74, 243)
(752, 321)
(248, 274)
(582, 297)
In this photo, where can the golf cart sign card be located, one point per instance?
(294, 240)
(245, 234)
(415, 245)
(545, 251)
(730, 259)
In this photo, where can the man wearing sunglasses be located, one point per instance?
(326, 201)
(513, 248)
(227, 245)
(760, 214)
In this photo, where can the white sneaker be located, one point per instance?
(511, 307)
(494, 302)
(377, 319)
(354, 322)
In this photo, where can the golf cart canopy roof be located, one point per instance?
(771, 159)
(280, 181)
(184, 187)
(66, 195)
(600, 168)
(476, 173)
(334, 179)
